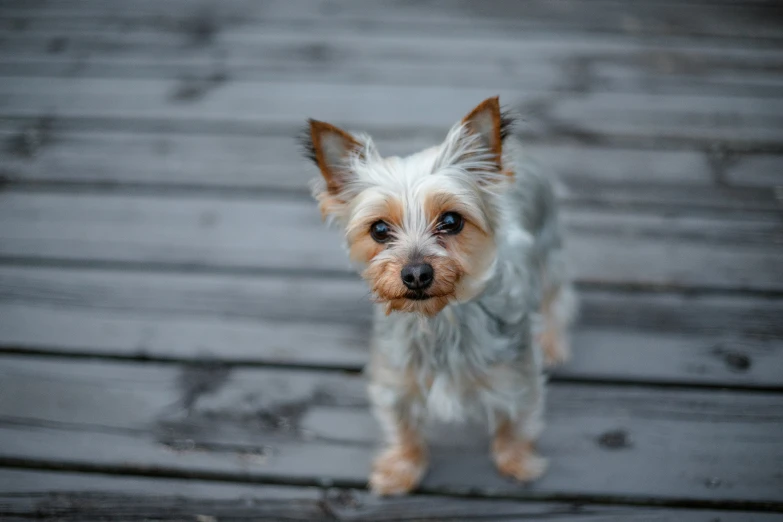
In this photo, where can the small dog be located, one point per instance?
(461, 247)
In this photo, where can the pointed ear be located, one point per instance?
(489, 124)
(330, 148)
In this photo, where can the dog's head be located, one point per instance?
(420, 227)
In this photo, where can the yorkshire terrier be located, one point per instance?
(461, 247)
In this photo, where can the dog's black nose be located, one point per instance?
(417, 276)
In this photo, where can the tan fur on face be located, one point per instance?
(329, 205)
(473, 248)
(457, 275)
(383, 275)
(477, 251)
(363, 248)
(438, 203)
(386, 284)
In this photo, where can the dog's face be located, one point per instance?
(421, 228)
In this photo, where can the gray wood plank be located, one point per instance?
(68, 496)
(64, 496)
(522, 61)
(30, 481)
(756, 172)
(661, 250)
(631, 73)
(361, 506)
(712, 340)
(731, 19)
(736, 121)
(314, 427)
(47, 153)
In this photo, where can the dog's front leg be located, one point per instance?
(513, 444)
(514, 453)
(396, 403)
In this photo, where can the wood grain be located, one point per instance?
(77, 497)
(589, 118)
(311, 427)
(64, 496)
(648, 250)
(520, 60)
(361, 506)
(711, 340)
(746, 20)
(180, 337)
(49, 154)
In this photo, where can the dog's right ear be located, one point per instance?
(330, 149)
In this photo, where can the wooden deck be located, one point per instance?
(181, 338)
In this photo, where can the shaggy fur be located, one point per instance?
(472, 344)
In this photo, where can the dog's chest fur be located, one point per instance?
(476, 356)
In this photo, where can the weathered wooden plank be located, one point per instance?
(742, 20)
(620, 115)
(44, 152)
(522, 61)
(737, 121)
(30, 481)
(667, 250)
(631, 74)
(757, 172)
(67, 496)
(314, 427)
(76, 497)
(123, 39)
(361, 506)
(714, 340)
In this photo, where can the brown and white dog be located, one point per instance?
(461, 248)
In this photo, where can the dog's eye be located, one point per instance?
(380, 231)
(451, 223)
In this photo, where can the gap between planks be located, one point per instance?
(335, 417)
(235, 127)
(67, 492)
(690, 252)
(592, 118)
(724, 339)
(760, 205)
(210, 364)
(705, 20)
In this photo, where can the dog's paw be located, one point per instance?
(520, 461)
(556, 347)
(397, 471)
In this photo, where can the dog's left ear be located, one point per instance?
(490, 125)
(330, 148)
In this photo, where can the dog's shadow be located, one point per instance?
(461, 462)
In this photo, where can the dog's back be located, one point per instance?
(533, 196)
